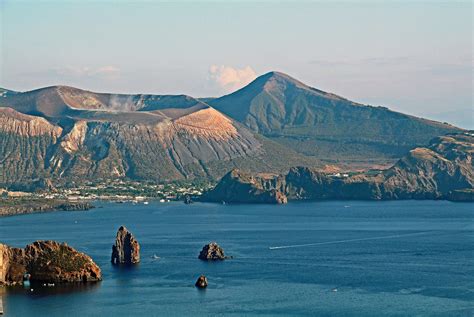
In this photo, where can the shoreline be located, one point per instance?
(24, 206)
(13, 207)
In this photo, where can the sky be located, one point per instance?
(413, 57)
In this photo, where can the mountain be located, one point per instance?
(321, 124)
(65, 135)
(71, 135)
(442, 170)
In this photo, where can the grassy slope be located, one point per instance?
(329, 127)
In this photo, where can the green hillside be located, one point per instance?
(324, 125)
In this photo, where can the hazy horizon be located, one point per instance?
(411, 57)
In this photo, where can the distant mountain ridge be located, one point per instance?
(314, 122)
(71, 135)
(57, 103)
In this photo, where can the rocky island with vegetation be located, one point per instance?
(48, 262)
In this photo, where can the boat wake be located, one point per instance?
(349, 240)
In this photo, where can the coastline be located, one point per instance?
(12, 207)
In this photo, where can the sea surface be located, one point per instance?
(342, 258)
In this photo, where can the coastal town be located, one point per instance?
(83, 196)
(117, 190)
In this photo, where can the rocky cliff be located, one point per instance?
(241, 187)
(439, 171)
(126, 249)
(48, 262)
(432, 172)
(70, 135)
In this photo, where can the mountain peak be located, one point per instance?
(274, 78)
(277, 83)
(280, 75)
(323, 124)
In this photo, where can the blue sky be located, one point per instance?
(411, 57)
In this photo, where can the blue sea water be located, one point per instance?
(396, 258)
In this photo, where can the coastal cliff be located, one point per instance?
(442, 170)
(240, 187)
(46, 261)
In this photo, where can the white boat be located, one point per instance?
(145, 203)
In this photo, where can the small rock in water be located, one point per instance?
(201, 282)
(126, 249)
(212, 252)
(188, 200)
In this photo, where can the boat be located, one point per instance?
(145, 203)
(156, 257)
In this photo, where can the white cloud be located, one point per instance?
(108, 71)
(229, 78)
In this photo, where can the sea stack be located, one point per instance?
(201, 282)
(212, 252)
(126, 249)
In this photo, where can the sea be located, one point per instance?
(332, 258)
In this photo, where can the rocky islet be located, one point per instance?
(46, 261)
(126, 249)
